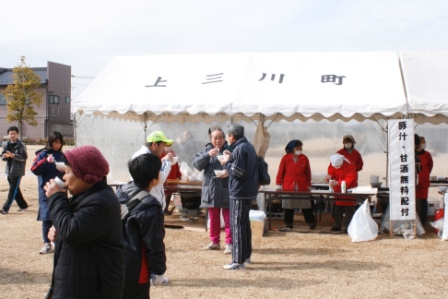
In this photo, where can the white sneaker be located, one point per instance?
(212, 246)
(228, 249)
(248, 261)
(235, 266)
(46, 249)
(159, 280)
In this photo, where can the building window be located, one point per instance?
(2, 100)
(54, 99)
(67, 100)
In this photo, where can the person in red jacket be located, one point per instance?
(341, 169)
(294, 173)
(351, 153)
(174, 174)
(421, 194)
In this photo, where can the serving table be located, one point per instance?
(353, 195)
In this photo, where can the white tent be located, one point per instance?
(426, 80)
(133, 92)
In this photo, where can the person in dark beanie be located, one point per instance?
(89, 256)
(294, 173)
(143, 228)
(14, 154)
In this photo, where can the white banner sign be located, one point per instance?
(401, 169)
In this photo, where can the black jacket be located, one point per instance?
(89, 256)
(143, 232)
(15, 167)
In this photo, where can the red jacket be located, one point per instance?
(423, 176)
(175, 173)
(290, 172)
(346, 173)
(355, 157)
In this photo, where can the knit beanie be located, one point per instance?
(88, 163)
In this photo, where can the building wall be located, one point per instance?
(50, 117)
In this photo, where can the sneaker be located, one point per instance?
(3, 212)
(248, 261)
(21, 210)
(312, 225)
(212, 246)
(335, 230)
(235, 266)
(158, 280)
(228, 249)
(46, 249)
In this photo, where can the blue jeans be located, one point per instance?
(14, 193)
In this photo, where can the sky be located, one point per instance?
(87, 34)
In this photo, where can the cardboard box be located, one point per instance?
(258, 228)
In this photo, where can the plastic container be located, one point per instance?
(343, 187)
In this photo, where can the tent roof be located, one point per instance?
(330, 85)
(425, 75)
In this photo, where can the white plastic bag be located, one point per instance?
(363, 227)
(401, 227)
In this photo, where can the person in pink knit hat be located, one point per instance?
(89, 253)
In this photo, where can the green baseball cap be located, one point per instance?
(158, 136)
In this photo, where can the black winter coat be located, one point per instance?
(89, 256)
(143, 232)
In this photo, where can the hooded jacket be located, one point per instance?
(143, 232)
(15, 167)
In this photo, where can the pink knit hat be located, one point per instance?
(87, 163)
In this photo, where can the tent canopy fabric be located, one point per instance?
(114, 111)
(425, 75)
(307, 85)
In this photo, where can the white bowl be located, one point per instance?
(443, 188)
(220, 158)
(219, 172)
(175, 160)
(60, 166)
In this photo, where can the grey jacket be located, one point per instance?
(15, 167)
(215, 191)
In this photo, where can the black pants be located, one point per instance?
(421, 205)
(307, 214)
(14, 193)
(241, 231)
(339, 222)
(136, 291)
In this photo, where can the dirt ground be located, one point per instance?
(297, 264)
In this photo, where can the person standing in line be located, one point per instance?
(422, 189)
(349, 152)
(14, 154)
(294, 173)
(215, 189)
(89, 257)
(242, 167)
(143, 228)
(155, 144)
(339, 170)
(45, 168)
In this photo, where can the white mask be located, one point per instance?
(348, 145)
(297, 153)
(423, 146)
